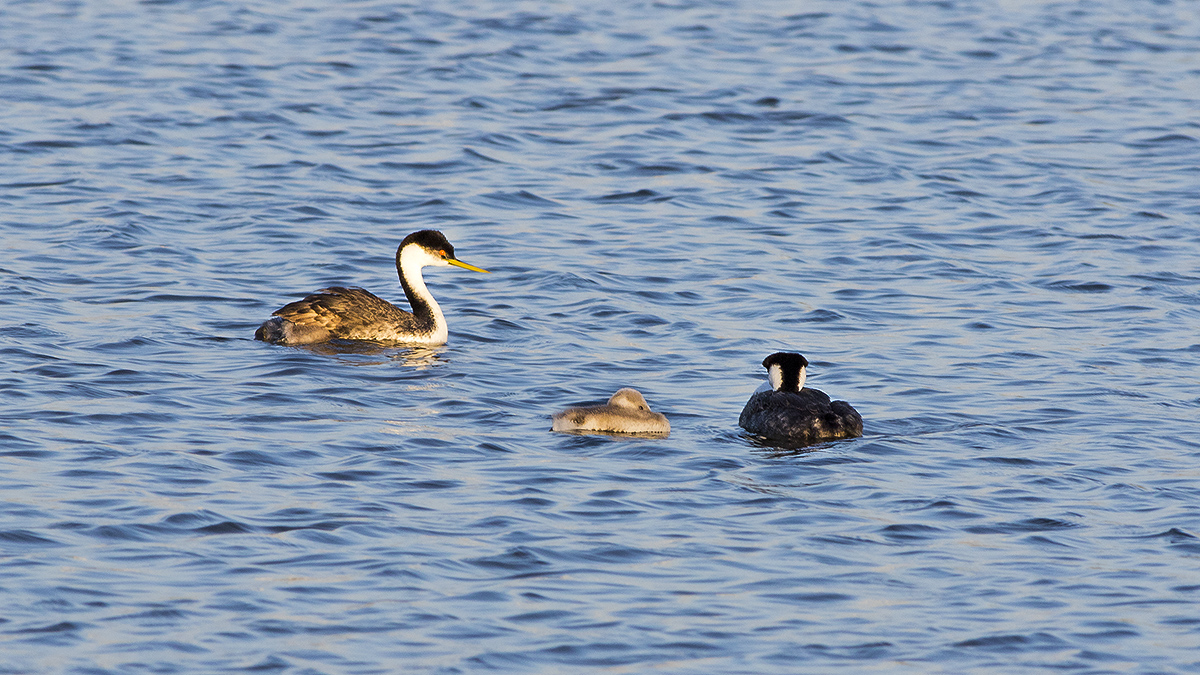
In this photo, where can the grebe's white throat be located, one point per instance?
(412, 258)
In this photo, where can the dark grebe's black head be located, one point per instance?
(786, 370)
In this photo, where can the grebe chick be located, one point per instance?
(626, 413)
(341, 313)
(789, 411)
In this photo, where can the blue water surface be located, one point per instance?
(980, 221)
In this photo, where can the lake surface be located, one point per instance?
(979, 221)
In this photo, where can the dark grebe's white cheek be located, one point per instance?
(775, 376)
(803, 376)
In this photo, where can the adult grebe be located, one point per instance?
(356, 314)
(786, 410)
(626, 413)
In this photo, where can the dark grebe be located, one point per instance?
(790, 412)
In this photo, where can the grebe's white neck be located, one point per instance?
(412, 259)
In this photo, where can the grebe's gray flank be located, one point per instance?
(349, 313)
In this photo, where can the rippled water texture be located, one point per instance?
(979, 221)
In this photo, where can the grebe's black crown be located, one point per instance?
(428, 239)
(788, 361)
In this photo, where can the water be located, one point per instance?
(977, 220)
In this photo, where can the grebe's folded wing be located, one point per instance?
(849, 420)
(336, 307)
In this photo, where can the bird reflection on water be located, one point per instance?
(419, 358)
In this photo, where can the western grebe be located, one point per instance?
(344, 313)
(787, 410)
(626, 413)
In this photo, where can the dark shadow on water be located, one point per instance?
(778, 448)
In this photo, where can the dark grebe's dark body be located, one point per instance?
(790, 411)
(803, 417)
